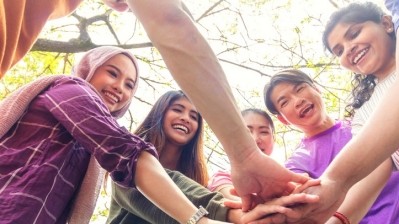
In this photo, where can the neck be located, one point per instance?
(169, 156)
(326, 124)
(390, 70)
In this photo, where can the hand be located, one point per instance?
(117, 5)
(279, 205)
(260, 178)
(331, 196)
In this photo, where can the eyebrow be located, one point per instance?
(294, 86)
(120, 72)
(261, 127)
(345, 36)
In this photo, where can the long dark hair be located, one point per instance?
(362, 85)
(192, 160)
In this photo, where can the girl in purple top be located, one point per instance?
(294, 98)
(57, 123)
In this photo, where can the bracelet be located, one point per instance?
(342, 218)
(201, 212)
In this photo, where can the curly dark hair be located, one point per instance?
(362, 89)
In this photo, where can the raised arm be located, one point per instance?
(196, 69)
(362, 195)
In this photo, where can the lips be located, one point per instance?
(181, 127)
(359, 56)
(306, 110)
(113, 98)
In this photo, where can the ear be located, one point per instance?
(282, 120)
(386, 21)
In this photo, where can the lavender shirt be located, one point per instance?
(44, 156)
(315, 154)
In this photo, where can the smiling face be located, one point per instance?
(180, 122)
(301, 105)
(115, 81)
(364, 48)
(261, 131)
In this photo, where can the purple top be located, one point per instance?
(44, 156)
(315, 154)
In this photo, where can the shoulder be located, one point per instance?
(71, 84)
(71, 89)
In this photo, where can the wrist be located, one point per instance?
(234, 215)
(341, 182)
(342, 218)
(199, 214)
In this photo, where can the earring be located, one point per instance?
(390, 30)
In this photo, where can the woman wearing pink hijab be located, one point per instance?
(50, 128)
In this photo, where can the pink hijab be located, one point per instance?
(98, 56)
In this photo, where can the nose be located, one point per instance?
(185, 117)
(299, 102)
(349, 49)
(257, 140)
(118, 86)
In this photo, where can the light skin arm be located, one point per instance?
(196, 69)
(363, 194)
(225, 190)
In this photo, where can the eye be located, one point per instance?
(112, 73)
(300, 88)
(175, 109)
(354, 34)
(130, 85)
(338, 52)
(283, 103)
(194, 117)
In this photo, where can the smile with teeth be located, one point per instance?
(360, 55)
(112, 96)
(181, 127)
(305, 111)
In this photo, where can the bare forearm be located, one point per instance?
(378, 139)
(362, 195)
(196, 69)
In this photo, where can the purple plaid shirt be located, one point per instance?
(44, 156)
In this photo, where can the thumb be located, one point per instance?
(246, 202)
(299, 178)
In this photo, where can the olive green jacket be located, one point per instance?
(130, 206)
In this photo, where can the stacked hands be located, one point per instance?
(293, 198)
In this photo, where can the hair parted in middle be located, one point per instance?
(192, 160)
